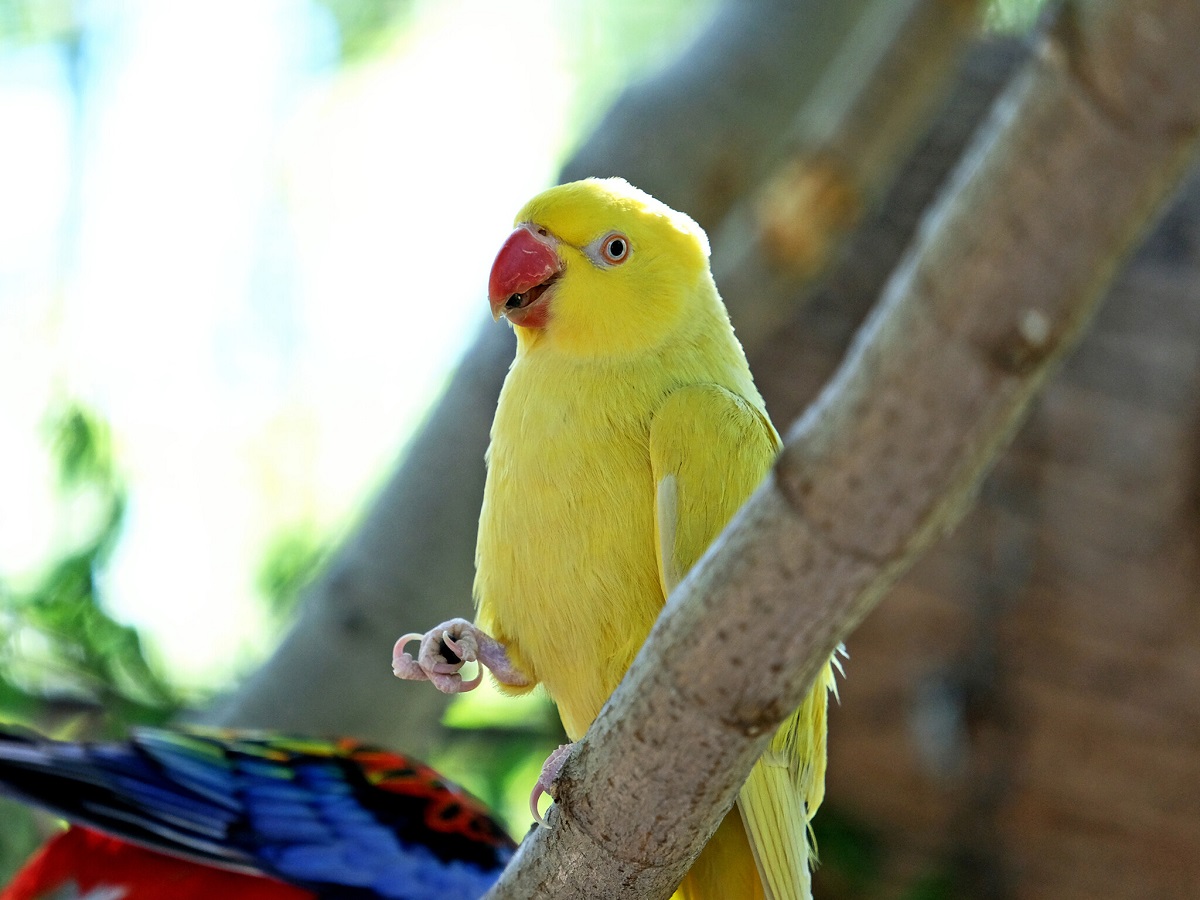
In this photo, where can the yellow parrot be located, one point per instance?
(627, 434)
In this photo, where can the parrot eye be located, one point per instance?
(615, 248)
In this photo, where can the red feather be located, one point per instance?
(90, 861)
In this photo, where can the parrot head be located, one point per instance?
(598, 267)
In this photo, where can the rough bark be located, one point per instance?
(1021, 716)
(997, 287)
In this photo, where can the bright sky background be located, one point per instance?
(257, 266)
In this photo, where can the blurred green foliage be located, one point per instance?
(495, 746)
(291, 559)
(851, 855)
(936, 886)
(364, 25)
(1013, 16)
(37, 21)
(18, 838)
(61, 653)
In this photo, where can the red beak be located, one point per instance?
(523, 270)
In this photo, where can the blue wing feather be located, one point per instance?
(341, 819)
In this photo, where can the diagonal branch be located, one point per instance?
(1080, 153)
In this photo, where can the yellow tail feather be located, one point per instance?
(725, 869)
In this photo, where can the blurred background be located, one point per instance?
(241, 247)
(242, 250)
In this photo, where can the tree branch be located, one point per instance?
(845, 148)
(1080, 153)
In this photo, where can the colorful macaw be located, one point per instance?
(222, 815)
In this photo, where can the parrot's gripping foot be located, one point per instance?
(445, 649)
(550, 769)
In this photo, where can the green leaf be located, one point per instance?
(292, 558)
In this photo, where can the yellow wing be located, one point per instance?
(710, 449)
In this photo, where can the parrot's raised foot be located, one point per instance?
(445, 649)
(550, 769)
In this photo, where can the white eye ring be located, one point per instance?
(614, 249)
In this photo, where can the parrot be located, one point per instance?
(196, 814)
(627, 433)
